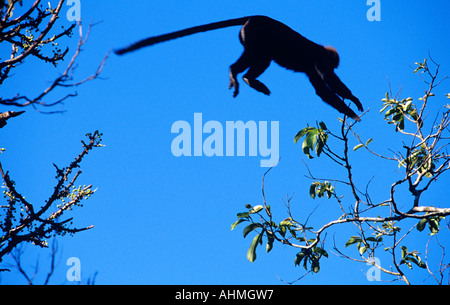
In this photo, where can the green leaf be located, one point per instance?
(312, 189)
(305, 149)
(256, 209)
(311, 138)
(237, 222)
(368, 141)
(251, 253)
(404, 251)
(362, 249)
(282, 230)
(419, 263)
(390, 111)
(407, 106)
(305, 263)
(406, 263)
(411, 259)
(433, 225)
(243, 215)
(298, 258)
(315, 267)
(398, 117)
(321, 191)
(270, 240)
(301, 133)
(353, 240)
(320, 251)
(421, 224)
(413, 113)
(358, 147)
(323, 126)
(286, 222)
(323, 138)
(384, 107)
(401, 124)
(250, 228)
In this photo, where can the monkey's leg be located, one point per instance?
(341, 89)
(330, 97)
(239, 66)
(256, 69)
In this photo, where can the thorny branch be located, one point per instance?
(24, 44)
(23, 221)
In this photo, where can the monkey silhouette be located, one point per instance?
(266, 40)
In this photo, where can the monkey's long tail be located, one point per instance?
(189, 31)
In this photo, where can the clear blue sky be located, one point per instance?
(160, 219)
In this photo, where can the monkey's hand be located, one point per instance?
(356, 118)
(257, 85)
(234, 84)
(358, 104)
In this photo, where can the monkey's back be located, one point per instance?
(268, 37)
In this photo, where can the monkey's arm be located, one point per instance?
(328, 96)
(340, 88)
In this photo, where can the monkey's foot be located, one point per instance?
(356, 118)
(234, 84)
(358, 104)
(350, 113)
(257, 85)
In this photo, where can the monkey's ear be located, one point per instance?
(333, 56)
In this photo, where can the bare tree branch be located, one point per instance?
(7, 115)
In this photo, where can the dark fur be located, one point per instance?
(265, 39)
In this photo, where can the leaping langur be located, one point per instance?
(265, 39)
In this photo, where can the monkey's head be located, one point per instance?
(332, 57)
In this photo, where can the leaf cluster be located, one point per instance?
(363, 243)
(315, 139)
(433, 224)
(285, 231)
(310, 257)
(399, 110)
(319, 189)
(411, 257)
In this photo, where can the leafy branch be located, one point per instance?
(423, 161)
